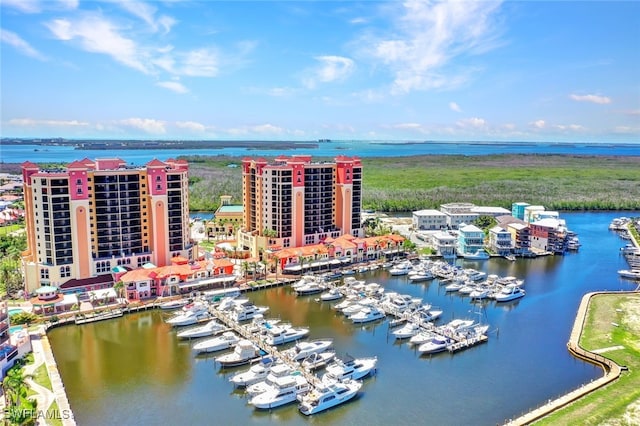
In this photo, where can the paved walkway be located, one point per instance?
(44, 396)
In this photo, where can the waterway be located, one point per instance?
(133, 370)
(54, 153)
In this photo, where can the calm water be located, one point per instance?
(35, 153)
(133, 370)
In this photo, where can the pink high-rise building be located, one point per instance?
(293, 202)
(93, 216)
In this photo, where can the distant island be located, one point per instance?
(109, 144)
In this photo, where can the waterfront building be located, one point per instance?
(444, 244)
(293, 202)
(489, 211)
(13, 345)
(429, 219)
(517, 210)
(531, 213)
(500, 241)
(182, 276)
(93, 216)
(548, 235)
(521, 237)
(226, 219)
(458, 213)
(470, 239)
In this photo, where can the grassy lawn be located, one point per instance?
(6, 230)
(612, 320)
(53, 415)
(41, 377)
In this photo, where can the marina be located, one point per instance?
(533, 329)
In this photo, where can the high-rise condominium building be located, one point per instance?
(94, 216)
(293, 202)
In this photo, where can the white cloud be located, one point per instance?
(473, 123)
(191, 126)
(539, 124)
(147, 125)
(454, 107)
(200, 63)
(596, 99)
(99, 35)
(261, 129)
(570, 127)
(174, 86)
(31, 122)
(358, 20)
(25, 6)
(331, 68)
(429, 35)
(69, 4)
(147, 13)
(21, 45)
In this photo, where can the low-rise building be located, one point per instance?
(521, 238)
(470, 239)
(500, 241)
(444, 244)
(429, 220)
(517, 209)
(548, 235)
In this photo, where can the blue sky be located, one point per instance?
(303, 70)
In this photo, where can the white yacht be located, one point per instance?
(244, 352)
(350, 368)
(316, 361)
(410, 329)
(328, 396)
(509, 292)
(189, 318)
(430, 315)
(257, 373)
(209, 329)
(245, 312)
(220, 343)
(435, 345)
(401, 269)
(174, 304)
(633, 274)
(330, 295)
(480, 292)
(477, 255)
(421, 337)
(420, 275)
(284, 390)
(280, 335)
(277, 371)
(311, 287)
(303, 349)
(259, 324)
(367, 314)
(457, 325)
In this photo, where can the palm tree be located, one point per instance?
(245, 269)
(275, 262)
(15, 383)
(119, 288)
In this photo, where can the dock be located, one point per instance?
(98, 316)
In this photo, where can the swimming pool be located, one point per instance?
(14, 311)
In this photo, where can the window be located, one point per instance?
(65, 271)
(44, 274)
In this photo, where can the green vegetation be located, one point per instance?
(19, 407)
(11, 247)
(559, 182)
(612, 321)
(24, 318)
(41, 377)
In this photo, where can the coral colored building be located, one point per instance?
(93, 216)
(292, 202)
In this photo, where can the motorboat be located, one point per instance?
(317, 361)
(430, 315)
(303, 349)
(230, 302)
(247, 311)
(457, 325)
(174, 304)
(244, 352)
(367, 314)
(330, 295)
(260, 325)
(633, 274)
(419, 276)
(436, 344)
(189, 318)
(225, 341)
(509, 292)
(477, 255)
(475, 275)
(401, 269)
(209, 329)
(454, 286)
(280, 335)
(350, 368)
(284, 390)
(421, 337)
(311, 287)
(328, 396)
(399, 303)
(276, 371)
(480, 293)
(410, 329)
(257, 373)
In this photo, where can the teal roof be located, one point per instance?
(230, 209)
(46, 289)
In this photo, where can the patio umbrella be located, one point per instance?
(118, 268)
